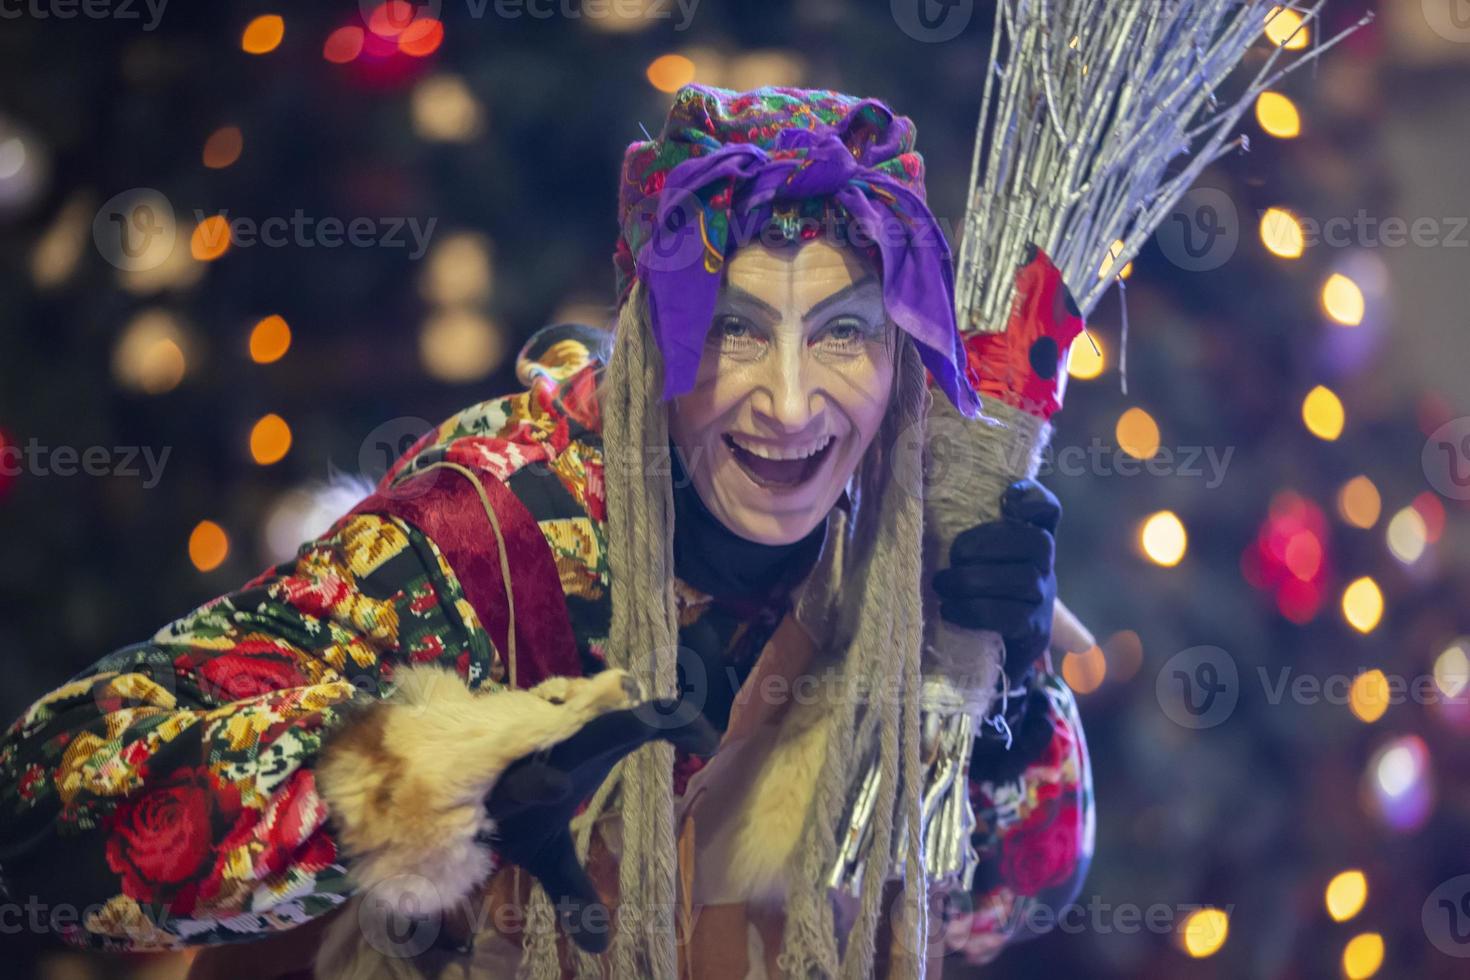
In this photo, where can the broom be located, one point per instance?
(1086, 107)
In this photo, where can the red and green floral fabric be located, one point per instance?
(166, 794)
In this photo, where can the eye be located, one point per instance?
(733, 327)
(846, 333)
(735, 335)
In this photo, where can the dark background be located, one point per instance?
(1253, 814)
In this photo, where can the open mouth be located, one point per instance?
(764, 469)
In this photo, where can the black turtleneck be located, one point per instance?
(720, 563)
(750, 584)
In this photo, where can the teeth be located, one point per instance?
(792, 452)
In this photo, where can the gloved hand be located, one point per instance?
(1000, 575)
(535, 798)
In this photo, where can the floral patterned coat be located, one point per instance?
(167, 792)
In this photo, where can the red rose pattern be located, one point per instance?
(246, 673)
(161, 842)
(1042, 853)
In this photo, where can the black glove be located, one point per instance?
(1000, 575)
(534, 800)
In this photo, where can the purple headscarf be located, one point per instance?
(734, 167)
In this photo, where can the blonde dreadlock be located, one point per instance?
(882, 618)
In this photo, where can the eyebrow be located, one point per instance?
(735, 295)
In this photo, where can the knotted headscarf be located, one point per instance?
(781, 163)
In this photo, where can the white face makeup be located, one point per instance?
(794, 381)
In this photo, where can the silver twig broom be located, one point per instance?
(1086, 107)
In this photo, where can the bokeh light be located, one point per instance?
(1362, 604)
(1323, 413)
(1407, 536)
(1204, 932)
(1286, 28)
(1124, 652)
(1278, 115)
(343, 45)
(211, 238)
(263, 34)
(150, 355)
(460, 346)
(624, 17)
(392, 18)
(1137, 433)
(1368, 696)
(1282, 233)
(1452, 668)
(270, 339)
(459, 271)
(1431, 511)
(421, 38)
(1084, 672)
(1358, 502)
(270, 440)
(223, 147)
(1163, 538)
(1346, 894)
(445, 110)
(1363, 956)
(1398, 788)
(670, 72)
(208, 546)
(1084, 360)
(1343, 300)
(1109, 269)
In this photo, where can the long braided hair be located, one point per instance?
(880, 620)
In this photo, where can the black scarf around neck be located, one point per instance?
(720, 563)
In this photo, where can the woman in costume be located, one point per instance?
(608, 654)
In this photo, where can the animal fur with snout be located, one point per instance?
(405, 782)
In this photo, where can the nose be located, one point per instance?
(790, 400)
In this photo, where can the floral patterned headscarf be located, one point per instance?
(779, 165)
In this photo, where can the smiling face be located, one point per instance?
(793, 384)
